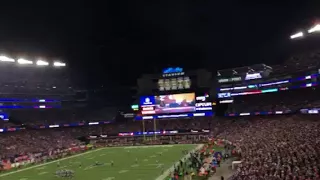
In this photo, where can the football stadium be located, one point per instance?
(211, 120)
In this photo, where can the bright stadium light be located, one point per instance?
(6, 59)
(315, 28)
(42, 63)
(59, 64)
(24, 61)
(297, 35)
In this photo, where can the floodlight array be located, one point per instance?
(23, 61)
(314, 29)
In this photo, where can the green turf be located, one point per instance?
(150, 164)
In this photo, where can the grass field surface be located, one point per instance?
(152, 161)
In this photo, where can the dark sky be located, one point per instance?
(117, 41)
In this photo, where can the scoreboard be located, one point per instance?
(175, 83)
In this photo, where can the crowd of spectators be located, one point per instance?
(300, 62)
(34, 80)
(62, 115)
(26, 142)
(270, 147)
(276, 148)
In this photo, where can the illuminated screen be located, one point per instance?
(166, 104)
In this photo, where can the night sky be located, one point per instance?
(116, 41)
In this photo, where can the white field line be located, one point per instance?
(167, 172)
(42, 173)
(109, 178)
(44, 164)
(123, 171)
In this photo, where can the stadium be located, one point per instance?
(184, 124)
(70, 119)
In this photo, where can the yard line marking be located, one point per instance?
(42, 173)
(123, 171)
(135, 165)
(109, 178)
(158, 165)
(44, 164)
(89, 167)
(153, 156)
(102, 154)
(145, 160)
(23, 179)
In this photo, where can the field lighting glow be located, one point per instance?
(315, 28)
(42, 63)
(300, 34)
(25, 61)
(59, 64)
(297, 35)
(6, 59)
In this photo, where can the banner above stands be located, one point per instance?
(258, 113)
(152, 133)
(56, 126)
(302, 111)
(200, 114)
(310, 111)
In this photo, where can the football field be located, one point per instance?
(130, 163)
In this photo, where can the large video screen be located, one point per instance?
(166, 104)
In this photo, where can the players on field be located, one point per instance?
(97, 163)
(65, 173)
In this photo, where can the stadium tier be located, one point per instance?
(264, 118)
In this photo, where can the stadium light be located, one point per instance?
(315, 28)
(42, 63)
(6, 59)
(59, 64)
(297, 35)
(24, 61)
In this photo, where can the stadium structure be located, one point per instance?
(185, 124)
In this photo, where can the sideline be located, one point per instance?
(44, 164)
(167, 172)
